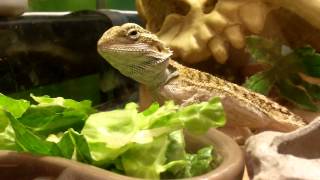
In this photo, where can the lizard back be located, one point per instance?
(219, 87)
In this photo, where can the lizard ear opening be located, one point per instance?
(159, 48)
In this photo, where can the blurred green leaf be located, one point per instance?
(54, 115)
(68, 89)
(123, 4)
(146, 160)
(82, 106)
(198, 118)
(194, 164)
(199, 163)
(313, 90)
(310, 59)
(13, 106)
(52, 119)
(263, 50)
(130, 134)
(82, 147)
(286, 64)
(176, 146)
(29, 142)
(297, 95)
(142, 144)
(261, 82)
(7, 136)
(109, 133)
(66, 145)
(61, 5)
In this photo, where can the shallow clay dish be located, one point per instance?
(21, 166)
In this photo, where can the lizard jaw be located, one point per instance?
(146, 66)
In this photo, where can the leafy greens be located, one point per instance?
(287, 71)
(148, 144)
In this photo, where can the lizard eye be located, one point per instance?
(133, 34)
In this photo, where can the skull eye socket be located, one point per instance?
(208, 6)
(133, 34)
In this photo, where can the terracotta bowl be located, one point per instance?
(21, 166)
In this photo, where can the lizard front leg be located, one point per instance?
(197, 97)
(189, 95)
(184, 95)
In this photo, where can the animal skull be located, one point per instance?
(198, 29)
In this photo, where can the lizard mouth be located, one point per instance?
(134, 48)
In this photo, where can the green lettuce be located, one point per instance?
(13, 106)
(148, 144)
(186, 164)
(143, 140)
(52, 115)
(27, 127)
(146, 160)
(7, 136)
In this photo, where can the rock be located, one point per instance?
(294, 155)
(13, 7)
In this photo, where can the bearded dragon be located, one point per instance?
(140, 55)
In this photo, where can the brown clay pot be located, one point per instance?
(21, 166)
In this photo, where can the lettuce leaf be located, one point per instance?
(29, 142)
(27, 128)
(7, 136)
(198, 163)
(198, 118)
(146, 160)
(145, 140)
(82, 106)
(148, 144)
(109, 133)
(13, 106)
(53, 115)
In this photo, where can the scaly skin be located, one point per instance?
(140, 55)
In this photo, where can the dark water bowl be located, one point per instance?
(22, 166)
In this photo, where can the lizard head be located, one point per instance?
(136, 53)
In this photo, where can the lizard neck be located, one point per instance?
(160, 79)
(149, 71)
(164, 76)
